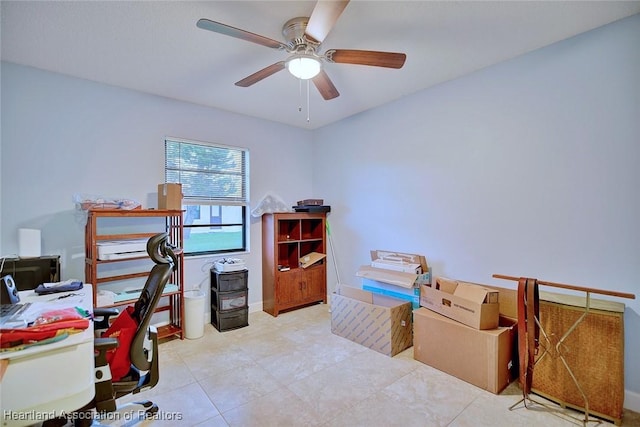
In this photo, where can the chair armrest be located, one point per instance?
(101, 346)
(148, 361)
(104, 397)
(105, 344)
(102, 315)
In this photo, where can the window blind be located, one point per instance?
(208, 173)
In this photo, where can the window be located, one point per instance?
(214, 182)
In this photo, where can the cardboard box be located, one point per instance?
(387, 267)
(311, 258)
(468, 303)
(484, 358)
(397, 264)
(170, 196)
(375, 321)
(508, 299)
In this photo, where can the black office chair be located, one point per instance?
(143, 373)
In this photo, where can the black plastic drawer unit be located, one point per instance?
(223, 301)
(232, 319)
(233, 281)
(229, 299)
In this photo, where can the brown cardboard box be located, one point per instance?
(170, 196)
(485, 358)
(311, 258)
(469, 303)
(508, 299)
(375, 321)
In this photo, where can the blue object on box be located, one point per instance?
(412, 295)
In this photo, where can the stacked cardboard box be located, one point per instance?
(395, 274)
(461, 330)
(468, 303)
(379, 315)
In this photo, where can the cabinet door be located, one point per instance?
(314, 282)
(288, 287)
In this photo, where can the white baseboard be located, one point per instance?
(632, 400)
(256, 306)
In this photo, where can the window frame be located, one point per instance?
(218, 200)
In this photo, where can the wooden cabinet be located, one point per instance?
(301, 285)
(287, 237)
(123, 275)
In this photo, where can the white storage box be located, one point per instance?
(406, 263)
(116, 249)
(226, 265)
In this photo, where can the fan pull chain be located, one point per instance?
(300, 98)
(300, 95)
(308, 100)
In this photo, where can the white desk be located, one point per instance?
(49, 380)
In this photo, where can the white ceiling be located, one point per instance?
(155, 46)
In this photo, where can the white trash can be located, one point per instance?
(193, 314)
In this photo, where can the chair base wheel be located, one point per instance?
(149, 407)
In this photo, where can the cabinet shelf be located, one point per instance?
(299, 241)
(127, 236)
(99, 280)
(134, 299)
(169, 330)
(109, 261)
(116, 225)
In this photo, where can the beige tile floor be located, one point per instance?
(292, 371)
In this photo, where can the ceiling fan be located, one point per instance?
(304, 36)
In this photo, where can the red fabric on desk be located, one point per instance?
(123, 328)
(20, 337)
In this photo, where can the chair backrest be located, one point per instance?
(166, 260)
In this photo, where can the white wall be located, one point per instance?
(527, 168)
(62, 136)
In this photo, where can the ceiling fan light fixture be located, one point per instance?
(304, 66)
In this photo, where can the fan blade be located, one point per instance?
(366, 57)
(325, 86)
(262, 74)
(323, 18)
(228, 30)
